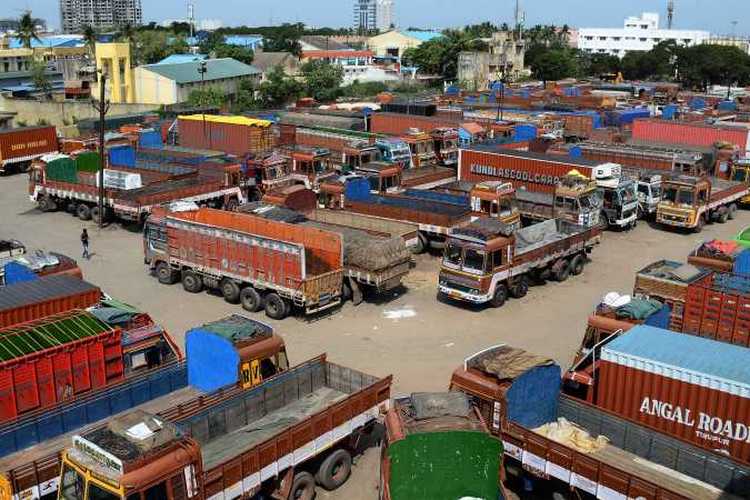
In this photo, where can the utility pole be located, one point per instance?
(102, 106)
(202, 69)
(670, 14)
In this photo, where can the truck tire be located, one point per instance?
(520, 288)
(335, 470)
(232, 205)
(275, 306)
(95, 214)
(46, 204)
(303, 486)
(230, 290)
(346, 291)
(191, 282)
(732, 211)
(251, 300)
(165, 274)
(422, 244)
(577, 264)
(83, 212)
(723, 216)
(501, 295)
(562, 270)
(699, 225)
(71, 207)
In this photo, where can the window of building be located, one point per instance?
(589, 38)
(644, 26)
(616, 38)
(602, 38)
(643, 39)
(686, 40)
(602, 51)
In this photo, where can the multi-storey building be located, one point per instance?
(638, 34)
(365, 15)
(75, 15)
(385, 18)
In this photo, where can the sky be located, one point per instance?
(712, 15)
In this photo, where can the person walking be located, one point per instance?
(85, 243)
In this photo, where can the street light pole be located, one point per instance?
(102, 106)
(202, 69)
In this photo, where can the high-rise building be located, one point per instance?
(365, 15)
(100, 14)
(384, 15)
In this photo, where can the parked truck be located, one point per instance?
(538, 173)
(422, 148)
(425, 432)
(11, 248)
(446, 146)
(487, 261)
(349, 149)
(642, 157)
(61, 184)
(551, 439)
(434, 219)
(260, 264)
(394, 151)
(20, 146)
(372, 261)
(41, 264)
(250, 356)
(280, 439)
(691, 202)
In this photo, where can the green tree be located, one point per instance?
(598, 64)
(208, 97)
(153, 46)
(285, 39)
(555, 64)
(245, 99)
(242, 54)
(322, 80)
(27, 29)
(439, 56)
(279, 89)
(89, 38)
(39, 77)
(210, 42)
(702, 65)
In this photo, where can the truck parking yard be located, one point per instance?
(406, 333)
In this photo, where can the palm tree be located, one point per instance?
(27, 29)
(127, 34)
(89, 38)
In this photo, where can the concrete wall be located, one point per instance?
(30, 111)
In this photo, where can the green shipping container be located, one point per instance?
(62, 170)
(88, 162)
(445, 466)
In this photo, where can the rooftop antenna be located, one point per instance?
(670, 14)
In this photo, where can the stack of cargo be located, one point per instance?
(696, 134)
(237, 135)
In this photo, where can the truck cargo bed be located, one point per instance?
(240, 440)
(543, 234)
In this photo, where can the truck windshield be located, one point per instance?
(473, 260)
(627, 194)
(670, 194)
(685, 197)
(739, 175)
(655, 190)
(452, 257)
(73, 484)
(589, 201)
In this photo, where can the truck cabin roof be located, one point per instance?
(380, 168)
(490, 190)
(414, 136)
(686, 180)
(436, 412)
(483, 231)
(269, 160)
(358, 146)
(128, 442)
(444, 133)
(304, 153)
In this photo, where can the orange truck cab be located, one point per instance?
(495, 200)
(446, 146)
(422, 148)
(312, 166)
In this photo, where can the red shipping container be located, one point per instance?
(537, 172)
(46, 296)
(45, 362)
(691, 388)
(400, 124)
(694, 134)
(25, 144)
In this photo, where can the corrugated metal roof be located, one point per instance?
(422, 36)
(216, 69)
(45, 288)
(182, 58)
(234, 120)
(688, 358)
(50, 41)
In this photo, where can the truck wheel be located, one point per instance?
(520, 288)
(83, 212)
(699, 225)
(95, 214)
(723, 216)
(576, 267)
(232, 205)
(46, 204)
(251, 300)
(165, 274)
(562, 270)
(71, 208)
(732, 211)
(501, 295)
(422, 244)
(303, 486)
(230, 290)
(346, 291)
(191, 282)
(275, 307)
(335, 470)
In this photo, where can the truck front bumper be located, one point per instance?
(454, 294)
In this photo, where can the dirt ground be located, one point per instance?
(410, 335)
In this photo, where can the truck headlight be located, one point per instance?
(443, 282)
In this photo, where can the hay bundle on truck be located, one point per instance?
(278, 440)
(566, 446)
(259, 263)
(371, 261)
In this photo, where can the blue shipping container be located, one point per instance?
(669, 112)
(150, 138)
(697, 103)
(524, 132)
(122, 156)
(357, 189)
(451, 199)
(15, 272)
(533, 396)
(727, 106)
(742, 262)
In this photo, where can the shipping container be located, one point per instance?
(20, 146)
(690, 134)
(235, 135)
(46, 296)
(642, 157)
(45, 362)
(400, 124)
(579, 126)
(688, 387)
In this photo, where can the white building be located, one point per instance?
(384, 15)
(637, 34)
